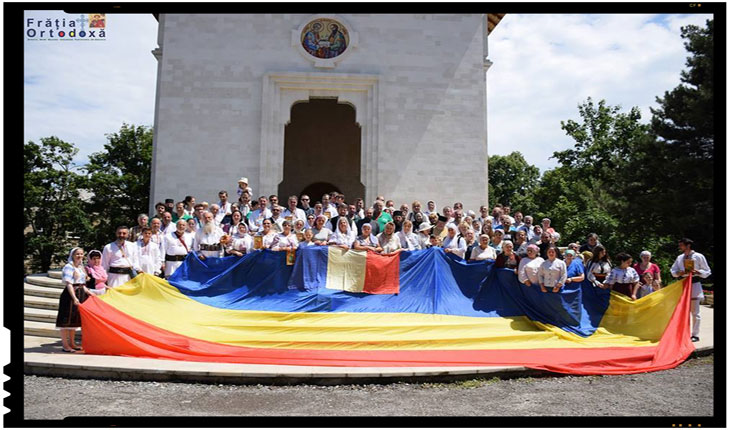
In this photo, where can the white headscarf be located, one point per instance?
(71, 255)
(339, 237)
(237, 234)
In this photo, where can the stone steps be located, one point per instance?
(39, 315)
(39, 291)
(43, 281)
(55, 274)
(44, 329)
(37, 302)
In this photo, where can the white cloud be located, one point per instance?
(80, 90)
(546, 65)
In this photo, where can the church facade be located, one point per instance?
(365, 104)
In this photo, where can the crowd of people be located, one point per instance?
(158, 244)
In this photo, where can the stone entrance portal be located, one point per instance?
(322, 150)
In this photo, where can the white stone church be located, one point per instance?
(365, 104)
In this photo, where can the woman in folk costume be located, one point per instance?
(68, 318)
(342, 237)
(267, 233)
(408, 240)
(483, 251)
(529, 266)
(241, 242)
(388, 239)
(236, 218)
(452, 242)
(286, 240)
(367, 240)
(321, 233)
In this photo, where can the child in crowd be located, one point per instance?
(434, 241)
(96, 272)
(308, 236)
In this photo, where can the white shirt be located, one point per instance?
(268, 240)
(277, 225)
(389, 245)
(409, 241)
(171, 245)
(225, 209)
(457, 245)
(528, 269)
(217, 218)
(321, 235)
(622, 276)
(170, 227)
(158, 239)
(281, 241)
(353, 226)
(257, 217)
(203, 238)
(332, 210)
(339, 238)
(700, 265)
(242, 244)
(112, 256)
(150, 257)
(552, 273)
(592, 268)
(479, 254)
(297, 214)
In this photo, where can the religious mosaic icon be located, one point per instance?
(325, 38)
(97, 20)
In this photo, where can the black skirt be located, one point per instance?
(68, 313)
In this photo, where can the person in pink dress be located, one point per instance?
(96, 272)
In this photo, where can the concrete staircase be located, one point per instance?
(40, 301)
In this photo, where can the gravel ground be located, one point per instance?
(675, 392)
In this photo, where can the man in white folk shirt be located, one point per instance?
(259, 215)
(700, 270)
(293, 211)
(217, 216)
(208, 239)
(224, 204)
(150, 254)
(176, 246)
(167, 224)
(276, 218)
(157, 234)
(328, 206)
(119, 258)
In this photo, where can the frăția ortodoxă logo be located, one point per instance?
(90, 27)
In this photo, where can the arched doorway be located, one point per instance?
(317, 189)
(322, 151)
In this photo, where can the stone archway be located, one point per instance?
(316, 190)
(322, 145)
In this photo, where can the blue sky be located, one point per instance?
(544, 66)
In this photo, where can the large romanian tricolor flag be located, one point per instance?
(354, 308)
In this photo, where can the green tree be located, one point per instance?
(511, 181)
(681, 163)
(53, 213)
(586, 193)
(119, 178)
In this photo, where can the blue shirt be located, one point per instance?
(576, 268)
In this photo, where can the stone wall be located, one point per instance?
(428, 121)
